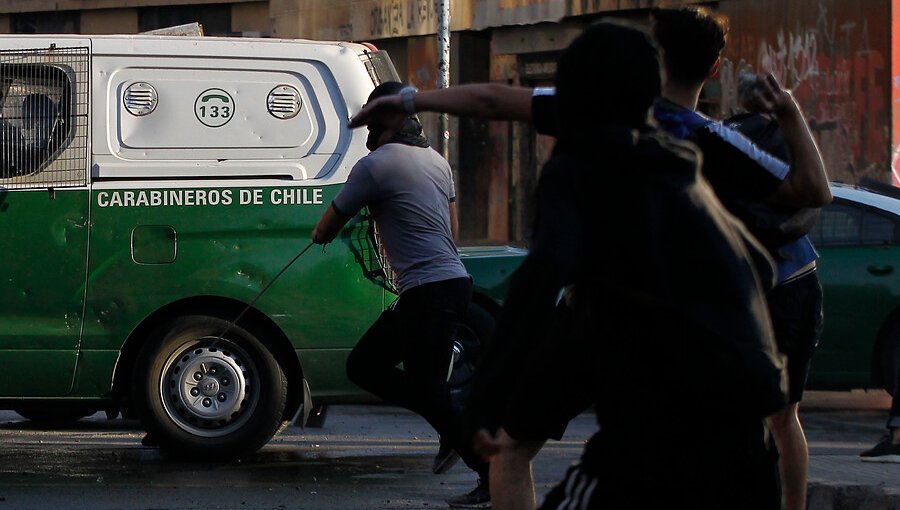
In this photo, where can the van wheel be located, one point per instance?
(890, 359)
(207, 398)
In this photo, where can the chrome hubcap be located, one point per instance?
(209, 388)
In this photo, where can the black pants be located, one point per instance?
(796, 311)
(418, 331)
(892, 384)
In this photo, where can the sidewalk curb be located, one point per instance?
(830, 496)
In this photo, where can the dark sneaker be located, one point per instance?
(445, 459)
(479, 497)
(884, 451)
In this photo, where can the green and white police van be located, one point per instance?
(150, 188)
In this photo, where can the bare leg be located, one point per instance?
(511, 480)
(793, 461)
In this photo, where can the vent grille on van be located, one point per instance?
(140, 99)
(44, 113)
(284, 102)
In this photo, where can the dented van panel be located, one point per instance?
(44, 242)
(228, 242)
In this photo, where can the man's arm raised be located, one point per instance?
(492, 101)
(806, 185)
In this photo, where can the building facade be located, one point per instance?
(837, 55)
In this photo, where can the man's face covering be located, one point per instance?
(375, 132)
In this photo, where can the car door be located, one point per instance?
(44, 218)
(858, 269)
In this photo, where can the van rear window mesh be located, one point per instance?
(379, 66)
(44, 117)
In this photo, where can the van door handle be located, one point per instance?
(880, 270)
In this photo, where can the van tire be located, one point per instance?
(202, 397)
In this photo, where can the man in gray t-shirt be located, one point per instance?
(409, 191)
(408, 187)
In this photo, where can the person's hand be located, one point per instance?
(769, 97)
(387, 111)
(318, 238)
(487, 446)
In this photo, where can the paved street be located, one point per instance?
(839, 426)
(365, 457)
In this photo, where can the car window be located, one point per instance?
(843, 224)
(877, 229)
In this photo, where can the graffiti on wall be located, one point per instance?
(895, 165)
(895, 154)
(895, 96)
(839, 80)
(394, 18)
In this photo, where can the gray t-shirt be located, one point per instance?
(408, 190)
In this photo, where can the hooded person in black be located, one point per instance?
(666, 290)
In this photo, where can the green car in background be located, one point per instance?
(858, 240)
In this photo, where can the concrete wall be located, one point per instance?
(312, 19)
(251, 18)
(380, 19)
(363, 20)
(109, 21)
(9, 6)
